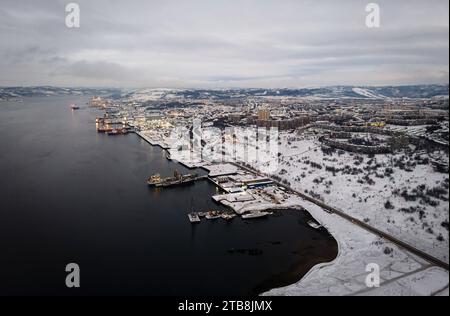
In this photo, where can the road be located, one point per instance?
(355, 221)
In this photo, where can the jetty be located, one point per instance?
(177, 179)
(196, 217)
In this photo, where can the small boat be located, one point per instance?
(213, 215)
(194, 218)
(104, 130)
(113, 132)
(74, 107)
(314, 224)
(228, 216)
(154, 180)
(117, 131)
(257, 214)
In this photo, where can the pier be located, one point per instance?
(181, 182)
(177, 180)
(151, 141)
(197, 217)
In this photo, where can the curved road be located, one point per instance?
(360, 223)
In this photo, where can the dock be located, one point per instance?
(196, 217)
(152, 141)
(257, 214)
(177, 180)
(180, 182)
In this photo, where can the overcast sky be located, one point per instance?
(223, 43)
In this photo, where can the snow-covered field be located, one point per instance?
(368, 93)
(144, 95)
(269, 198)
(401, 195)
(401, 273)
(391, 192)
(216, 170)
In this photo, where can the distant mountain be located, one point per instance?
(144, 95)
(20, 92)
(413, 92)
(334, 92)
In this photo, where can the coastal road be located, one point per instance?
(376, 231)
(353, 220)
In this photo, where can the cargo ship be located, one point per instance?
(104, 130)
(213, 215)
(177, 179)
(257, 214)
(117, 131)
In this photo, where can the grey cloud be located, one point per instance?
(206, 43)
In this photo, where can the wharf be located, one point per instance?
(151, 141)
(196, 217)
(181, 182)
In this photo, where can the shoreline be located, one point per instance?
(343, 277)
(297, 272)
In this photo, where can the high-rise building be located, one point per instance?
(263, 115)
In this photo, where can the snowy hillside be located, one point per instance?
(368, 93)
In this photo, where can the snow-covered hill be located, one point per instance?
(368, 93)
(333, 92)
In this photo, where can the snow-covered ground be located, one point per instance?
(401, 273)
(269, 198)
(368, 93)
(303, 164)
(216, 170)
(384, 190)
(144, 95)
(421, 131)
(400, 194)
(155, 138)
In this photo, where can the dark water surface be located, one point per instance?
(68, 194)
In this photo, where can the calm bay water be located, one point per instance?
(69, 195)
